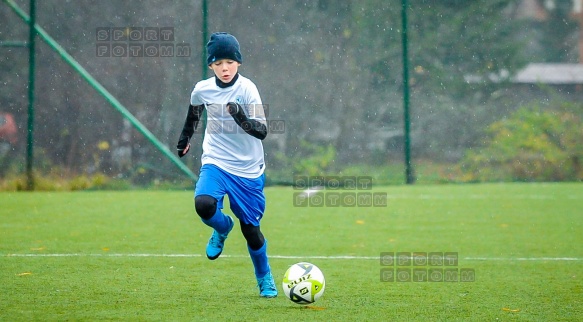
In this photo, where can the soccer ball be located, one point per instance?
(303, 283)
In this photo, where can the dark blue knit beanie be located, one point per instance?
(223, 46)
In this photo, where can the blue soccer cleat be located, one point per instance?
(214, 248)
(267, 286)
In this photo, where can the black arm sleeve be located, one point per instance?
(190, 124)
(252, 127)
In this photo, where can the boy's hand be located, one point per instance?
(182, 148)
(233, 108)
(252, 127)
(192, 118)
(182, 152)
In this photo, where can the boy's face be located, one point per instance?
(225, 69)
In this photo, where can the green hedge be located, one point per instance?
(533, 144)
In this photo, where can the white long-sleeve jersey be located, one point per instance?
(225, 143)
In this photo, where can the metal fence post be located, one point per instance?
(409, 176)
(31, 73)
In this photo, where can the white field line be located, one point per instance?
(311, 192)
(503, 259)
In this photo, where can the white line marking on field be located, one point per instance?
(313, 191)
(503, 259)
(481, 196)
(535, 259)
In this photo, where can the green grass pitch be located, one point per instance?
(139, 256)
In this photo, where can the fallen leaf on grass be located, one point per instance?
(24, 274)
(510, 310)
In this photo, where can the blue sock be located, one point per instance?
(259, 259)
(218, 222)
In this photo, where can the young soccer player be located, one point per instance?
(232, 157)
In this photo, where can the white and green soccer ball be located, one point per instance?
(303, 283)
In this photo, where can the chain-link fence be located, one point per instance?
(330, 72)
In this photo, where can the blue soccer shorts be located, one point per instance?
(246, 197)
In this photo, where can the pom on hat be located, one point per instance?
(223, 46)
